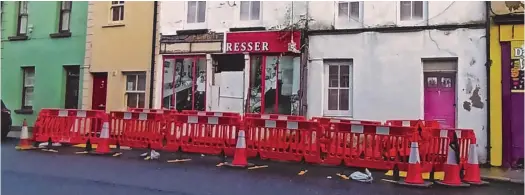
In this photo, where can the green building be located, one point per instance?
(43, 46)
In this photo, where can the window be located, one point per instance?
(196, 12)
(65, 15)
(411, 10)
(338, 88)
(22, 18)
(28, 85)
(349, 10)
(136, 90)
(117, 11)
(184, 85)
(250, 10)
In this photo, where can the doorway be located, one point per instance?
(229, 75)
(98, 99)
(440, 91)
(72, 86)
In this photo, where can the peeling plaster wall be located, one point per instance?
(383, 13)
(388, 74)
(222, 15)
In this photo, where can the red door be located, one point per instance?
(98, 100)
(440, 98)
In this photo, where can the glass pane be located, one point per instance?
(333, 75)
(405, 10)
(192, 8)
(65, 21)
(23, 7)
(114, 2)
(417, 9)
(200, 85)
(201, 16)
(184, 88)
(115, 14)
(344, 99)
(432, 81)
(131, 82)
(332, 99)
(245, 10)
(288, 90)
(255, 84)
(28, 96)
(121, 12)
(256, 9)
(121, 2)
(344, 77)
(66, 5)
(142, 82)
(168, 86)
(354, 10)
(23, 25)
(132, 100)
(29, 77)
(270, 84)
(142, 100)
(343, 9)
(446, 82)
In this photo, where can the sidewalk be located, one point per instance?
(502, 174)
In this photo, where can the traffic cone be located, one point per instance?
(103, 143)
(239, 157)
(25, 142)
(414, 177)
(472, 173)
(452, 170)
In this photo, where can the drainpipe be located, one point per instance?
(487, 66)
(153, 56)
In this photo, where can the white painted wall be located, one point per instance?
(388, 73)
(222, 15)
(384, 14)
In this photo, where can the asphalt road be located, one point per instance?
(66, 173)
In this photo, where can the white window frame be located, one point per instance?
(26, 85)
(250, 3)
(349, 20)
(65, 10)
(196, 25)
(22, 14)
(135, 90)
(119, 5)
(419, 22)
(337, 113)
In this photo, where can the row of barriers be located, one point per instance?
(354, 143)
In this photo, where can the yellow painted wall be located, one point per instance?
(118, 48)
(499, 33)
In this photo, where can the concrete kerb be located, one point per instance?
(502, 179)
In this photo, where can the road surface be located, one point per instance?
(66, 173)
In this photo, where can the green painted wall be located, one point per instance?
(47, 55)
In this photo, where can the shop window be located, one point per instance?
(338, 88)
(184, 85)
(274, 85)
(28, 87)
(136, 90)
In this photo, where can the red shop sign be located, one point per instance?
(261, 42)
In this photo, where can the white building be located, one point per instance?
(400, 60)
(226, 45)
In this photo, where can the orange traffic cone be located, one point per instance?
(414, 177)
(472, 174)
(103, 143)
(25, 142)
(452, 170)
(239, 157)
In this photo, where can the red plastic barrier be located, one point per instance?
(413, 123)
(274, 116)
(203, 134)
(146, 110)
(68, 126)
(203, 113)
(137, 129)
(285, 140)
(435, 151)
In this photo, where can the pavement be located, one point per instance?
(66, 173)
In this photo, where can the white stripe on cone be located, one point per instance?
(414, 153)
(25, 133)
(241, 142)
(451, 158)
(105, 131)
(472, 155)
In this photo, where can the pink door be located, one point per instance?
(440, 98)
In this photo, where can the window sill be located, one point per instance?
(111, 25)
(18, 38)
(60, 35)
(24, 111)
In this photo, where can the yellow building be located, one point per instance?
(506, 83)
(118, 55)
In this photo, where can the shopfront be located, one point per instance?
(271, 73)
(184, 70)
